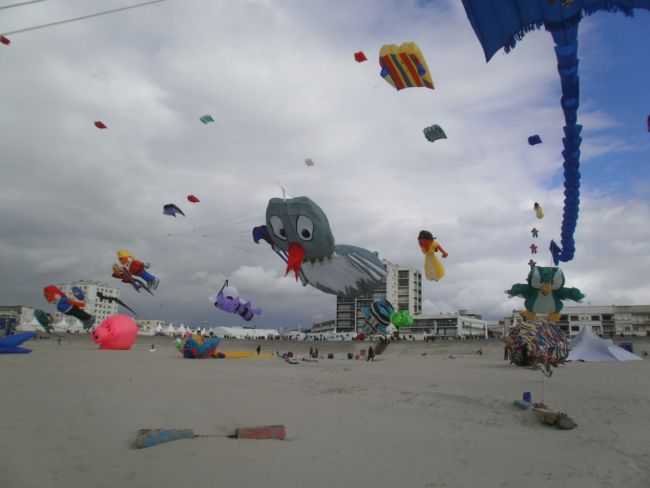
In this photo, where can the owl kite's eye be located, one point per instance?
(305, 228)
(278, 227)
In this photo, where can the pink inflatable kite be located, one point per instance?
(116, 332)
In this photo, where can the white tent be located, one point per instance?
(158, 329)
(181, 330)
(242, 333)
(170, 331)
(587, 346)
(30, 326)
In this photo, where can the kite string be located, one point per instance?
(42, 26)
(21, 3)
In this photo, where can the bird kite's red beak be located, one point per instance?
(294, 261)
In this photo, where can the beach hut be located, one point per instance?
(587, 346)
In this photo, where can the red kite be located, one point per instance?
(360, 57)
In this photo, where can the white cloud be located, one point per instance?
(280, 81)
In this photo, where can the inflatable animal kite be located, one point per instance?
(500, 24)
(433, 268)
(116, 332)
(401, 319)
(68, 306)
(543, 292)
(538, 210)
(206, 119)
(404, 66)
(11, 344)
(196, 347)
(378, 316)
(299, 232)
(228, 300)
(44, 321)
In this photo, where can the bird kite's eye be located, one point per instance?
(278, 227)
(305, 228)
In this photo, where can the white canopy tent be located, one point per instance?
(30, 326)
(241, 333)
(587, 346)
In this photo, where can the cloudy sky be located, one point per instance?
(279, 79)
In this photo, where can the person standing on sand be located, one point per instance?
(371, 354)
(259, 349)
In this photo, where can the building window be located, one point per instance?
(575, 328)
(574, 317)
(595, 317)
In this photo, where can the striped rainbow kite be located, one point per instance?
(404, 66)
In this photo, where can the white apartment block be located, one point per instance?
(402, 287)
(461, 324)
(608, 321)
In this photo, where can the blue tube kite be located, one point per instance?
(10, 344)
(501, 24)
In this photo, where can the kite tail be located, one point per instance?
(610, 6)
(568, 68)
(510, 44)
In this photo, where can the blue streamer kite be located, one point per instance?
(501, 24)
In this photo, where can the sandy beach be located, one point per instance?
(416, 417)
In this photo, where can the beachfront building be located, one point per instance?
(607, 321)
(11, 316)
(402, 287)
(461, 324)
(148, 327)
(100, 309)
(326, 331)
